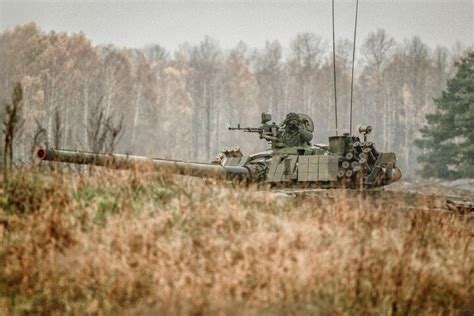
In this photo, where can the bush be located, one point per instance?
(29, 191)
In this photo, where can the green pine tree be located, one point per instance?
(448, 139)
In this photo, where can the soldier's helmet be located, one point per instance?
(292, 117)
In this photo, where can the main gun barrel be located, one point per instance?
(120, 161)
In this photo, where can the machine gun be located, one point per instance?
(273, 132)
(266, 131)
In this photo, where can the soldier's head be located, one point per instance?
(292, 119)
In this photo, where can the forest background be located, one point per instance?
(159, 103)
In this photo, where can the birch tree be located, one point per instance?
(304, 65)
(272, 83)
(204, 86)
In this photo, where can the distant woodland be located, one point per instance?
(179, 104)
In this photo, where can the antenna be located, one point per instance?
(353, 61)
(334, 62)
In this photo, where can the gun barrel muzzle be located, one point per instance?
(41, 153)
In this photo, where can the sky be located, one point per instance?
(136, 24)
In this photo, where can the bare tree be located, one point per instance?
(103, 133)
(205, 61)
(156, 53)
(271, 79)
(239, 95)
(377, 49)
(117, 81)
(11, 124)
(304, 64)
(57, 129)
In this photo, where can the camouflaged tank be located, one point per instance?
(346, 162)
(291, 160)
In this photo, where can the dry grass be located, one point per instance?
(121, 242)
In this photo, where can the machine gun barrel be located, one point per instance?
(265, 131)
(120, 161)
(247, 129)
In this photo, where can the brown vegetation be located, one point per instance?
(129, 243)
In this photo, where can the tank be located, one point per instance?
(291, 160)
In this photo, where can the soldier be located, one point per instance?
(294, 132)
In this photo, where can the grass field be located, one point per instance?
(129, 243)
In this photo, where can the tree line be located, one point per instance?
(154, 102)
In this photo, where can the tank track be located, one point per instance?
(381, 198)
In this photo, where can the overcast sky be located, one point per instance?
(170, 23)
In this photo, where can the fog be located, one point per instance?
(170, 23)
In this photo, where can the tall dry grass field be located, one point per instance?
(128, 243)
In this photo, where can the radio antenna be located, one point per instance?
(334, 63)
(353, 61)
